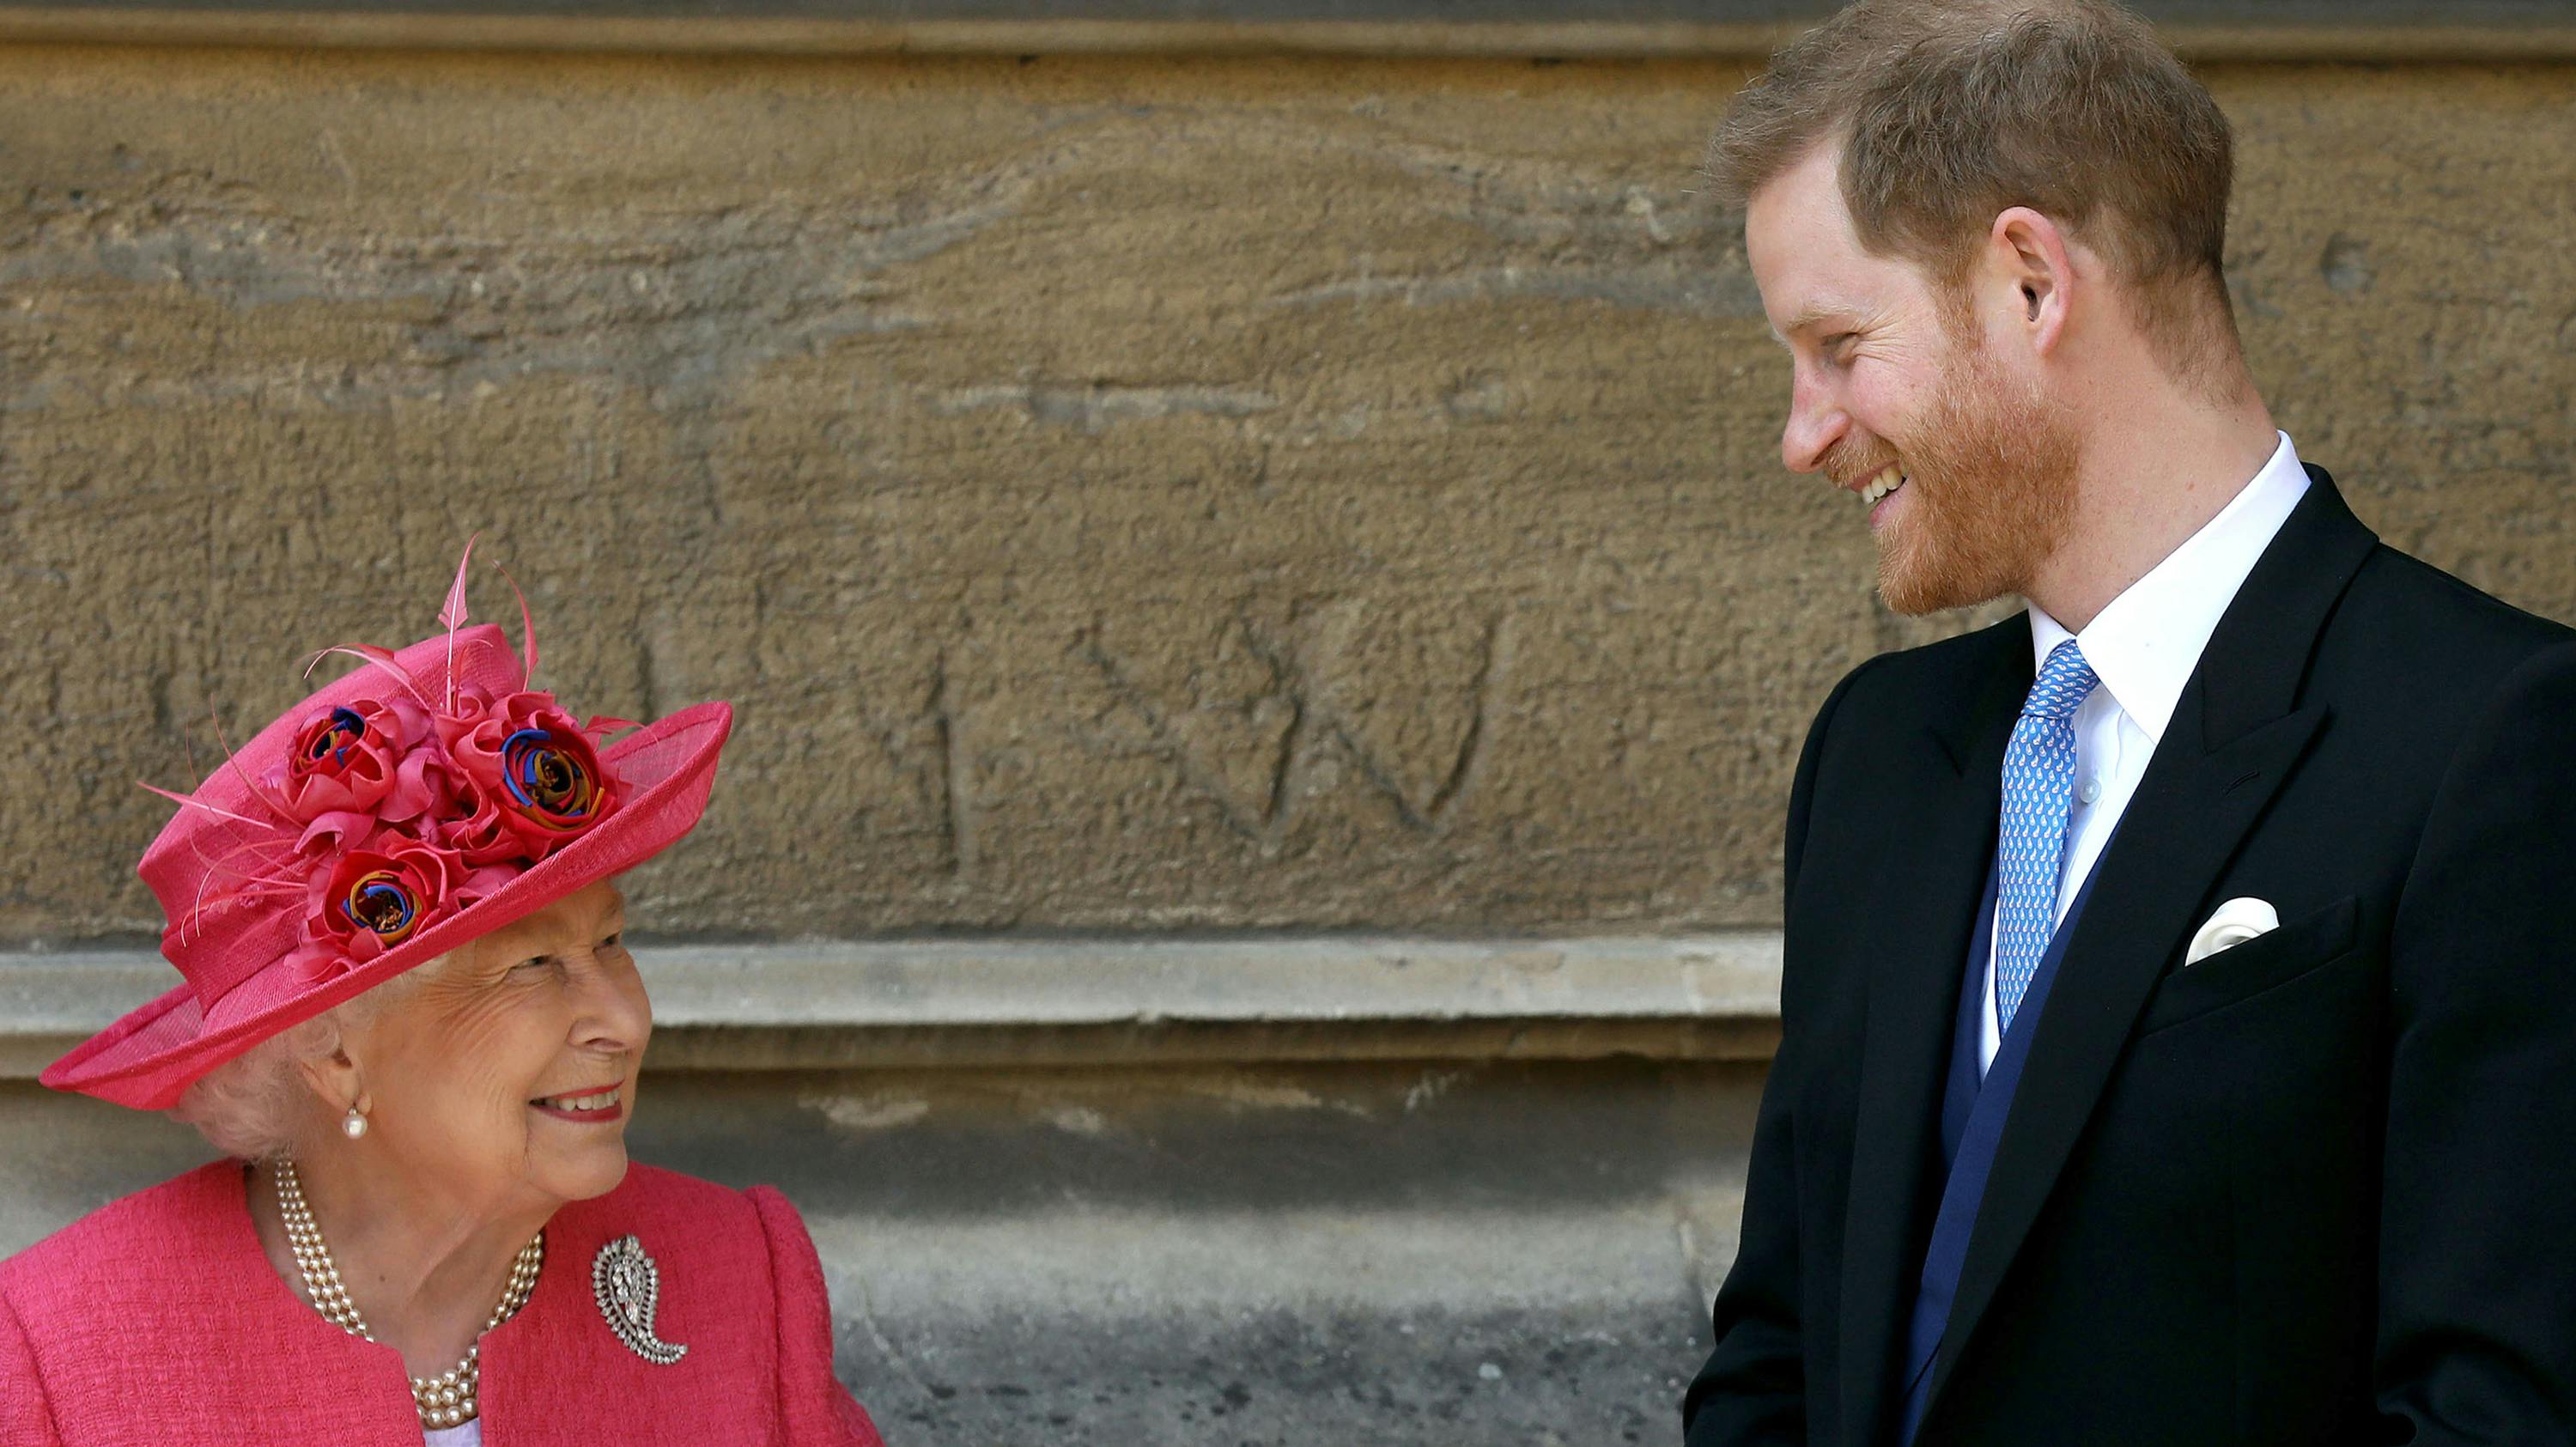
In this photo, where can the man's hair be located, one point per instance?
(1950, 111)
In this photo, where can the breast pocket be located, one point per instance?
(2265, 962)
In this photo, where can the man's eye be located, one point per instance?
(1839, 344)
(613, 941)
(534, 962)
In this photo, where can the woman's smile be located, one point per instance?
(593, 1108)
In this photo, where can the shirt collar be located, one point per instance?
(2146, 643)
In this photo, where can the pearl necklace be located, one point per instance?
(445, 1400)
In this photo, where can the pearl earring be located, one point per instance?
(353, 1125)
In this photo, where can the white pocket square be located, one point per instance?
(2237, 921)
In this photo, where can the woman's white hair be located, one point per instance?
(257, 1105)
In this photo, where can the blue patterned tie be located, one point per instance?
(2039, 777)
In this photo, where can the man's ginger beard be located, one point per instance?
(1990, 470)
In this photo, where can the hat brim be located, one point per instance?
(149, 1058)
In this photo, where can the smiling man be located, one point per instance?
(2179, 1017)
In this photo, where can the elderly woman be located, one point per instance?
(411, 1022)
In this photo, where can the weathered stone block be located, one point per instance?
(1119, 494)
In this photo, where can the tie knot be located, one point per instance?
(2064, 682)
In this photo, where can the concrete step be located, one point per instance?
(1366, 1251)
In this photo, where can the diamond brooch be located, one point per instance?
(629, 1288)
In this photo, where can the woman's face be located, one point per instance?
(505, 1078)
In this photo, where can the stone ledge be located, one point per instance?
(1044, 1002)
(2530, 33)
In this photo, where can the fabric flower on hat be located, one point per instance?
(471, 824)
(373, 899)
(370, 756)
(331, 835)
(532, 765)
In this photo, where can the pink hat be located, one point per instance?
(422, 800)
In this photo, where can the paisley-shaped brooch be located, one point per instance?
(629, 1288)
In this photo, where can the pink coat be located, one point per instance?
(157, 1321)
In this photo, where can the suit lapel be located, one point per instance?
(2236, 734)
(1949, 785)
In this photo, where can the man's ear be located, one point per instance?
(2028, 259)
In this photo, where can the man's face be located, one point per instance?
(1967, 466)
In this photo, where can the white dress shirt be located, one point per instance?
(2143, 647)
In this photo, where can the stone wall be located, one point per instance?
(1135, 494)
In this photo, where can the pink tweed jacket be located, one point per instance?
(156, 1321)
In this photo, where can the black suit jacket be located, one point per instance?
(2320, 1188)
